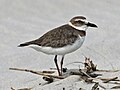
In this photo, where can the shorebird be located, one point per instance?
(62, 40)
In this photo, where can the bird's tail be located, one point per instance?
(24, 44)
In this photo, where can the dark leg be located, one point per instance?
(61, 64)
(55, 59)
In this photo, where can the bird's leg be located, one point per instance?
(55, 59)
(61, 64)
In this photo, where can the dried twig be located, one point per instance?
(116, 87)
(95, 87)
(111, 79)
(38, 73)
(84, 73)
(50, 72)
(115, 83)
(102, 86)
(106, 80)
(21, 89)
(107, 70)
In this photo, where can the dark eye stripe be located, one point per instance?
(80, 22)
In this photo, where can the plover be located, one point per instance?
(62, 40)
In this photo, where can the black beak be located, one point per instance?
(92, 25)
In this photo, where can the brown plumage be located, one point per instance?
(58, 37)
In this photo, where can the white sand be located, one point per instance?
(23, 20)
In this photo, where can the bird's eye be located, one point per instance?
(80, 22)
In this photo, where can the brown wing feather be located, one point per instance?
(57, 37)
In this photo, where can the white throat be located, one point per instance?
(84, 27)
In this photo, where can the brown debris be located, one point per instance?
(89, 66)
(21, 89)
(107, 70)
(95, 87)
(38, 73)
(87, 74)
(116, 87)
(110, 79)
(50, 72)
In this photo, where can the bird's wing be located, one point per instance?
(57, 37)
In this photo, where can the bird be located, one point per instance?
(62, 40)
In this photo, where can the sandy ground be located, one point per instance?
(23, 20)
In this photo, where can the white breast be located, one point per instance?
(60, 51)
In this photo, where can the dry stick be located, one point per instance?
(99, 84)
(81, 72)
(107, 70)
(114, 83)
(25, 89)
(38, 73)
(85, 73)
(97, 70)
(50, 72)
(111, 79)
(116, 87)
(21, 89)
(107, 79)
(107, 82)
(95, 87)
(96, 83)
(102, 86)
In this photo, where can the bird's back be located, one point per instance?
(58, 37)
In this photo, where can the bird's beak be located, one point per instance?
(91, 25)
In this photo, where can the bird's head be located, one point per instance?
(80, 23)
